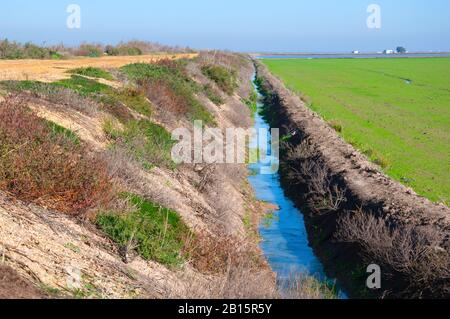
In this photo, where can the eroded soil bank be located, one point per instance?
(355, 214)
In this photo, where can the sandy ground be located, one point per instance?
(53, 70)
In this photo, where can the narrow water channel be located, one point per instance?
(284, 237)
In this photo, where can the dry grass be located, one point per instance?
(214, 254)
(303, 286)
(59, 96)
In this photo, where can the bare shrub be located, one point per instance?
(411, 253)
(144, 47)
(207, 175)
(237, 283)
(163, 96)
(245, 281)
(303, 286)
(228, 60)
(215, 254)
(49, 169)
(304, 167)
(323, 195)
(233, 269)
(89, 50)
(248, 283)
(66, 97)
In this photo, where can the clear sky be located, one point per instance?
(240, 25)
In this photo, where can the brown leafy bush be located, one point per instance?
(39, 165)
(162, 95)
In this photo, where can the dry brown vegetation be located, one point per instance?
(40, 165)
(228, 60)
(411, 256)
(305, 167)
(214, 254)
(161, 94)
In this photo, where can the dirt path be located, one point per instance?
(53, 70)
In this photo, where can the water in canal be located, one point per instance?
(284, 237)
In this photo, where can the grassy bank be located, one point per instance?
(395, 111)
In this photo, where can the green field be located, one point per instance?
(397, 111)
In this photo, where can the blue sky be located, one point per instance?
(241, 25)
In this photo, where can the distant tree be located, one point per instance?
(401, 50)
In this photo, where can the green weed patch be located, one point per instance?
(157, 233)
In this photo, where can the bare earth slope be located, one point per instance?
(12, 286)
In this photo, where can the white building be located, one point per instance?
(388, 52)
(355, 52)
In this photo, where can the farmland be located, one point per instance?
(53, 70)
(396, 111)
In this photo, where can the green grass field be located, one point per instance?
(397, 111)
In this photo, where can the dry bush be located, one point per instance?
(207, 174)
(230, 61)
(303, 286)
(239, 282)
(52, 170)
(323, 195)
(304, 167)
(233, 269)
(408, 253)
(89, 50)
(163, 96)
(215, 254)
(152, 47)
(245, 281)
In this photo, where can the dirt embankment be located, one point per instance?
(356, 184)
